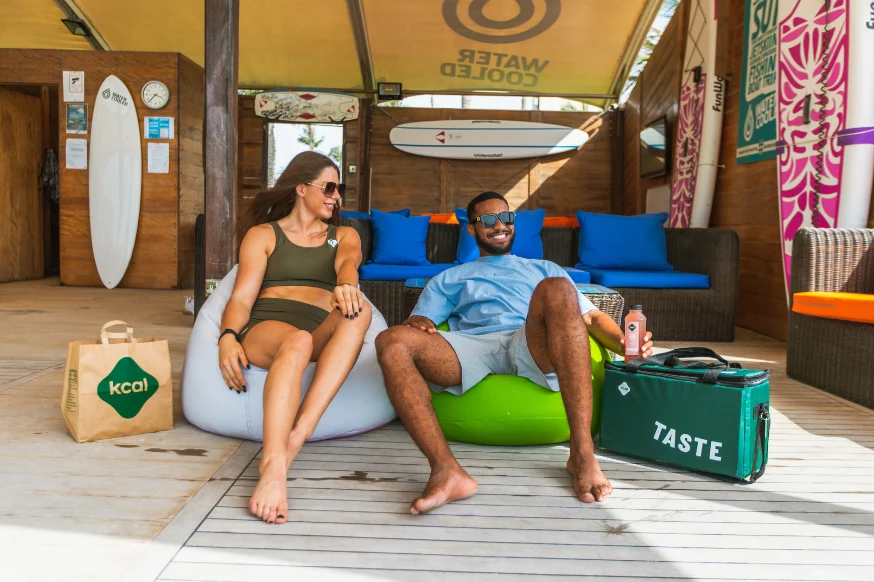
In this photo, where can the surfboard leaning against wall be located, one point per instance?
(825, 118)
(699, 123)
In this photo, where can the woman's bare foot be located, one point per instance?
(295, 444)
(270, 499)
(445, 486)
(590, 483)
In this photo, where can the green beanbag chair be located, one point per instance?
(511, 410)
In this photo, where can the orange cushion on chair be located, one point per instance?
(561, 221)
(844, 306)
(448, 218)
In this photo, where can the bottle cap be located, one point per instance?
(637, 308)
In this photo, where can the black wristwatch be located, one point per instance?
(232, 332)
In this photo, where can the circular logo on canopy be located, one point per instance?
(468, 18)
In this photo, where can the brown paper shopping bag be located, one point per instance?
(117, 386)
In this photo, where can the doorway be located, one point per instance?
(30, 224)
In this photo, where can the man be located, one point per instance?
(508, 315)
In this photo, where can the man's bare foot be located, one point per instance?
(445, 486)
(270, 499)
(590, 483)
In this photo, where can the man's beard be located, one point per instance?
(488, 246)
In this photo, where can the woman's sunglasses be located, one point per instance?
(490, 220)
(329, 188)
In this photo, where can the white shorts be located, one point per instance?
(503, 352)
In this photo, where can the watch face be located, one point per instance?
(155, 94)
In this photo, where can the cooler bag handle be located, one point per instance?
(763, 425)
(673, 359)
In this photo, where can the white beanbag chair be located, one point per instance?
(360, 405)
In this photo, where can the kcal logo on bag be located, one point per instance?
(127, 388)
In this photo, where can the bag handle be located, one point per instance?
(763, 425)
(673, 359)
(128, 335)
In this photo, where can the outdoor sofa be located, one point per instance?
(672, 314)
(831, 337)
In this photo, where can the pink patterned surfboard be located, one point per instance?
(825, 118)
(699, 123)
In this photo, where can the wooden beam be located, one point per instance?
(71, 11)
(362, 44)
(635, 41)
(617, 161)
(221, 156)
(45, 208)
(365, 124)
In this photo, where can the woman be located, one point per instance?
(296, 300)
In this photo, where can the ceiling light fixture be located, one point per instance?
(390, 91)
(76, 27)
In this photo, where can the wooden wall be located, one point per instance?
(156, 261)
(560, 184)
(21, 209)
(191, 93)
(253, 155)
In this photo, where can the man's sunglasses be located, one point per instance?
(490, 220)
(329, 188)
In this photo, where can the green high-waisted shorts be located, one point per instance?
(301, 315)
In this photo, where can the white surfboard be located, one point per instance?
(825, 121)
(485, 139)
(114, 180)
(699, 123)
(306, 106)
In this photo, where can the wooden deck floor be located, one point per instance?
(102, 512)
(810, 518)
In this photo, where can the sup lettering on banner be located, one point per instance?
(757, 125)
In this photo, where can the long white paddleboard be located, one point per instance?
(114, 180)
(485, 139)
(825, 118)
(306, 106)
(699, 124)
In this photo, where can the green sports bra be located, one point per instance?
(291, 265)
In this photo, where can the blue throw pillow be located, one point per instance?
(366, 215)
(527, 244)
(399, 240)
(609, 241)
(467, 249)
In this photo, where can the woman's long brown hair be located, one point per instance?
(277, 202)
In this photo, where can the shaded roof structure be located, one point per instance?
(573, 48)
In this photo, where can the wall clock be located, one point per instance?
(155, 94)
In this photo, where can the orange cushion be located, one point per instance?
(844, 306)
(565, 221)
(448, 218)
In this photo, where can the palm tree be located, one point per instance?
(308, 137)
(335, 154)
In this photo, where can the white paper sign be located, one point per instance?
(159, 158)
(158, 127)
(77, 154)
(74, 86)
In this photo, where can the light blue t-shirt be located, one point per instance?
(488, 295)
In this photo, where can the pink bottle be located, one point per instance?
(635, 331)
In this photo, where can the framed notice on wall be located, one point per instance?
(757, 122)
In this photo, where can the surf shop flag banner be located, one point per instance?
(757, 122)
(117, 386)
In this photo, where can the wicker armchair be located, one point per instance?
(831, 354)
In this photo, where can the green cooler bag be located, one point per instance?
(707, 417)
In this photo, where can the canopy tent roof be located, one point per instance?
(574, 48)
